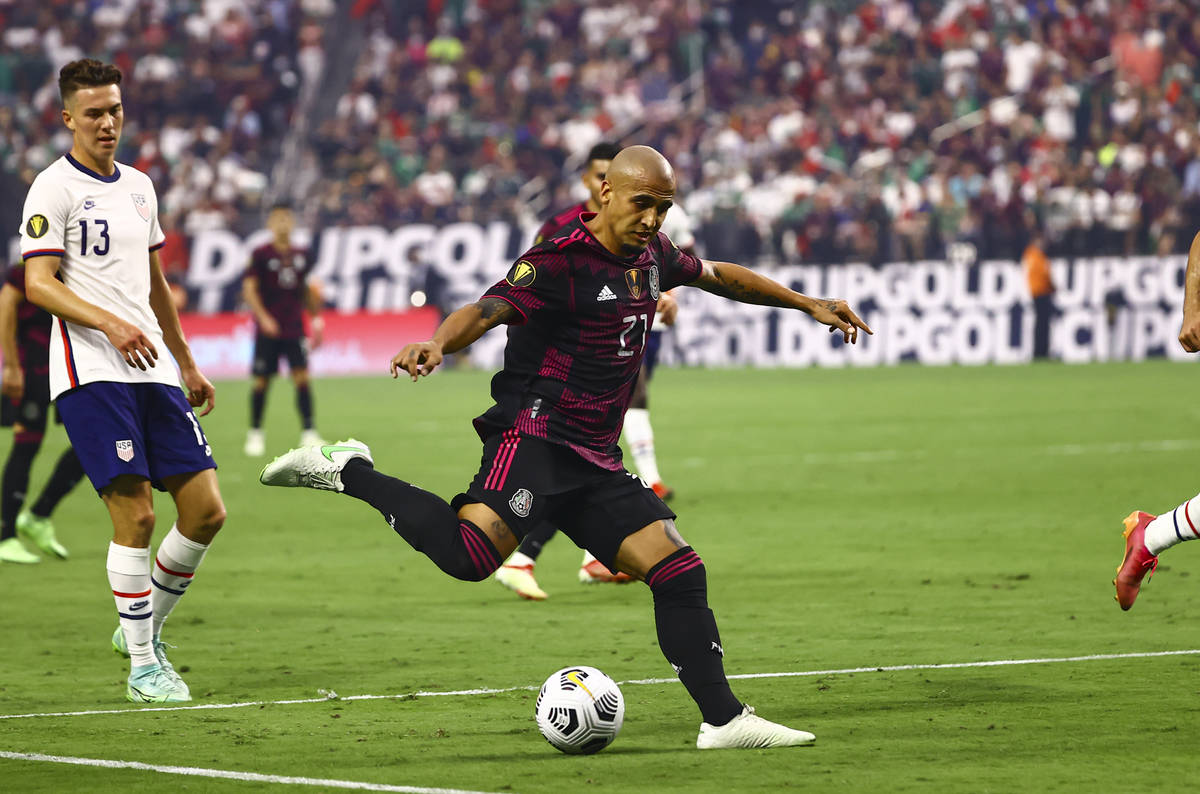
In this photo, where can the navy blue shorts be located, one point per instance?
(145, 429)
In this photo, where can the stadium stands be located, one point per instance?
(848, 131)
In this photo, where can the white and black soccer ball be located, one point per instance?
(580, 710)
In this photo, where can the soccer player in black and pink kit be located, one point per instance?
(276, 289)
(579, 308)
(25, 342)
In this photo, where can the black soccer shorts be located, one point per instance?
(33, 409)
(527, 480)
(268, 350)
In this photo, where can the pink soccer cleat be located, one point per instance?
(1138, 564)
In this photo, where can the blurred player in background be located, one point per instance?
(550, 441)
(276, 289)
(90, 239)
(517, 572)
(1146, 535)
(25, 342)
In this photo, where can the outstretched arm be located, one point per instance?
(1189, 334)
(456, 332)
(745, 286)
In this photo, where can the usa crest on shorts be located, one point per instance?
(141, 205)
(125, 450)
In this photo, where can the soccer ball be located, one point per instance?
(580, 710)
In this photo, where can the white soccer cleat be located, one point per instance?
(311, 438)
(519, 579)
(318, 466)
(750, 731)
(256, 444)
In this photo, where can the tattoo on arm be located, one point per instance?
(734, 287)
(495, 310)
(500, 528)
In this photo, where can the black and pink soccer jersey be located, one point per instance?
(574, 354)
(559, 222)
(33, 329)
(282, 284)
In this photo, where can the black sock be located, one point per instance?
(531, 544)
(687, 634)
(67, 472)
(258, 401)
(304, 405)
(15, 480)
(426, 521)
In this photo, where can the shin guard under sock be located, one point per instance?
(425, 521)
(687, 634)
(304, 404)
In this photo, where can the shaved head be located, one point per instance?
(641, 167)
(638, 189)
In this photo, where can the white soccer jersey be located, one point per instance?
(104, 228)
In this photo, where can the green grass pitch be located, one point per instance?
(848, 519)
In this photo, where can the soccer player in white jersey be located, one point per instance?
(1147, 535)
(93, 222)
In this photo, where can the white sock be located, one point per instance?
(588, 557)
(1175, 526)
(176, 561)
(520, 560)
(129, 578)
(640, 436)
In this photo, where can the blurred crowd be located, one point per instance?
(877, 130)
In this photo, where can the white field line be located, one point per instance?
(890, 455)
(228, 774)
(635, 682)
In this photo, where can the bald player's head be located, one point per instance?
(638, 189)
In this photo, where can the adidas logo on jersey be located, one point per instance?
(606, 294)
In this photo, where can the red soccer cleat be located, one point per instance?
(1138, 564)
(595, 572)
(662, 491)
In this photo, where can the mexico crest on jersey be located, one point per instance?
(653, 282)
(125, 450)
(521, 502)
(142, 206)
(633, 280)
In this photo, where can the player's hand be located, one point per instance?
(668, 308)
(135, 347)
(417, 359)
(318, 333)
(13, 385)
(838, 315)
(267, 326)
(1189, 334)
(199, 390)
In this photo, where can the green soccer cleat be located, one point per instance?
(40, 532)
(318, 466)
(11, 550)
(160, 653)
(152, 684)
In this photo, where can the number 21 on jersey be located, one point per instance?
(626, 342)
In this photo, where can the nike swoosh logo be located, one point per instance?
(329, 449)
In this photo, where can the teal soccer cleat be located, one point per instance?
(152, 684)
